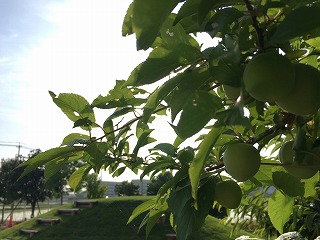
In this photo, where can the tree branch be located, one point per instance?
(285, 123)
(127, 125)
(255, 24)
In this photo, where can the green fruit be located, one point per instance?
(242, 161)
(228, 194)
(304, 98)
(268, 77)
(231, 93)
(303, 167)
(186, 155)
(286, 153)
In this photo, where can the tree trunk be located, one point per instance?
(33, 207)
(2, 213)
(61, 198)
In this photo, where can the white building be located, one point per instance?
(143, 184)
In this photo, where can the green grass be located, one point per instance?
(108, 220)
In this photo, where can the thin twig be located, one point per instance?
(215, 167)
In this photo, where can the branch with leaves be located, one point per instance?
(198, 87)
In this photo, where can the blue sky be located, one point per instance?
(63, 46)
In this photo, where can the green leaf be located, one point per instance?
(234, 116)
(180, 204)
(142, 141)
(290, 185)
(187, 218)
(120, 112)
(95, 154)
(314, 42)
(297, 23)
(198, 111)
(82, 122)
(109, 129)
(143, 207)
(119, 96)
(280, 208)
(172, 35)
(75, 138)
(245, 39)
(207, 5)
(161, 62)
(263, 176)
(311, 60)
(118, 172)
(226, 72)
(155, 213)
(196, 167)
(147, 19)
(166, 148)
(127, 22)
(205, 201)
(192, 81)
(45, 157)
(221, 21)
(161, 93)
(77, 176)
(159, 166)
(204, 8)
(181, 174)
(141, 128)
(309, 186)
(74, 106)
(52, 168)
(189, 8)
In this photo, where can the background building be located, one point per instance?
(143, 184)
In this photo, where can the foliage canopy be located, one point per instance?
(187, 79)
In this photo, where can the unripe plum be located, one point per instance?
(269, 76)
(304, 98)
(228, 194)
(300, 168)
(231, 92)
(242, 161)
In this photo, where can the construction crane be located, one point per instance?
(14, 144)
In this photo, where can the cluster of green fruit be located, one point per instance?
(271, 77)
(242, 161)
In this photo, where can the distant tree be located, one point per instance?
(59, 182)
(157, 182)
(126, 188)
(94, 187)
(32, 187)
(8, 182)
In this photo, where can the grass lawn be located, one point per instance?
(108, 220)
